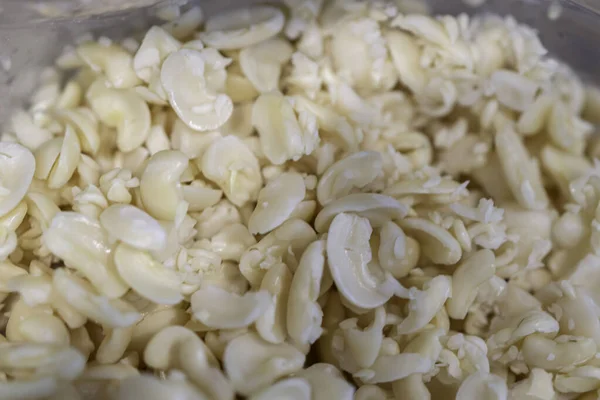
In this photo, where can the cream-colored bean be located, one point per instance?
(470, 274)
(562, 121)
(71, 96)
(230, 164)
(115, 62)
(262, 62)
(242, 27)
(513, 301)
(253, 364)
(45, 96)
(411, 388)
(272, 324)
(134, 227)
(563, 167)
(67, 161)
(580, 380)
(154, 93)
(27, 132)
(577, 316)
(156, 46)
(513, 329)
(13, 219)
(157, 140)
(376, 207)
(304, 314)
(589, 396)
(8, 243)
(427, 344)
(372, 392)
(117, 184)
(63, 362)
(57, 159)
(340, 353)
(306, 211)
(362, 282)
(389, 368)
(538, 385)
(80, 339)
(217, 341)
(65, 391)
(327, 382)
(226, 276)
(147, 276)
(425, 304)
(472, 351)
(552, 355)
(534, 118)
(40, 268)
(186, 77)
(200, 197)
(124, 110)
(28, 389)
(364, 344)
(42, 208)
(436, 242)
(276, 202)
(283, 135)
(398, 254)
(238, 87)
(334, 312)
(331, 122)
(482, 385)
(44, 328)
(521, 174)
(186, 24)
(151, 388)
(352, 172)
(213, 219)
(220, 309)
(288, 389)
(160, 351)
(160, 188)
(9, 271)
(73, 318)
(20, 311)
(155, 321)
(114, 344)
(102, 372)
(210, 379)
(18, 166)
(80, 294)
(232, 241)
(513, 90)
(89, 202)
(438, 98)
(406, 55)
(83, 245)
(88, 171)
(364, 74)
(274, 247)
(85, 124)
(240, 123)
